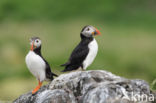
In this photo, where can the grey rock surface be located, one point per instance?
(96, 86)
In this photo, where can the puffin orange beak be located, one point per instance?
(32, 46)
(96, 32)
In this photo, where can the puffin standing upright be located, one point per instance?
(37, 65)
(85, 52)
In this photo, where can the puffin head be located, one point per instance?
(89, 31)
(35, 43)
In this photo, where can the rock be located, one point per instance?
(95, 86)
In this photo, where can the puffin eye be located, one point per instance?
(37, 41)
(88, 29)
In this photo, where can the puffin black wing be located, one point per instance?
(78, 56)
(49, 75)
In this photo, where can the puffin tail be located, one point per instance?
(65, 64)
(53, 74)
(68, 67)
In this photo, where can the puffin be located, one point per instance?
(37, 65)
(85, 52)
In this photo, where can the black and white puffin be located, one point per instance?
(85, 52)
(37, 65)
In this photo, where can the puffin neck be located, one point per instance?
(38, 50)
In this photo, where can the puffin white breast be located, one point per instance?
(93, 49)
(36, 65)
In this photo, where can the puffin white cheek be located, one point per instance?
(86, 33)
(89, 33)
(38, 44)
